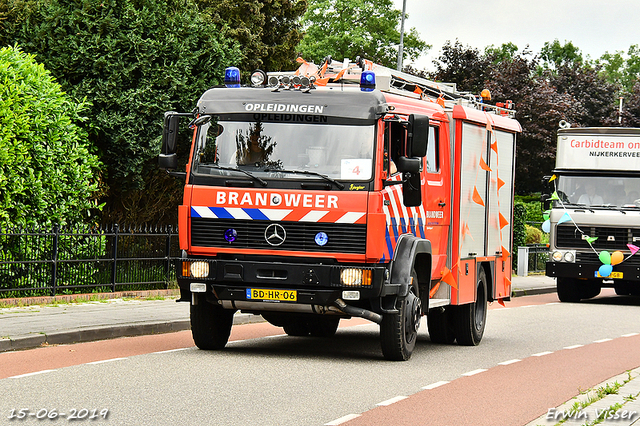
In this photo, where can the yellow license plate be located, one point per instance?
(270, 294)
(614, 275)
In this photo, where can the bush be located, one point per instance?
(533, 235)
(47, 169)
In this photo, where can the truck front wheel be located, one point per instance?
(210, 324)
(399, 332)
(472, 317)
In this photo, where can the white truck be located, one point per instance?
(594, 221)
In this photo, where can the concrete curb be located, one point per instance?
(518, 292)
(81, 335)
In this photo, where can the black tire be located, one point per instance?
(297, 328)
(568, 290)
(471, 318)
(590, 290)
(399, 332)
(440, 322)
(321, 326)
(210, 325)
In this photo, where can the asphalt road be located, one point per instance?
(281, 380)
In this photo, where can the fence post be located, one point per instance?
(114, 271)
(523, 261)
(54, 272)
(168, 253)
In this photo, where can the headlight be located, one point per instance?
(199, 269)
(355, 277)
(568, 256)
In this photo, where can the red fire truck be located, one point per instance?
(345, 190)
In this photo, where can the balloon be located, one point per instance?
(546, 226)
(605, 257)
(617, 257)
(605, 270)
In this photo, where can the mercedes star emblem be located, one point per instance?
(275, 234)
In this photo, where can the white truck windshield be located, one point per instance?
(600, 190)
(341, 152)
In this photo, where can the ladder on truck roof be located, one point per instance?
(391, 80)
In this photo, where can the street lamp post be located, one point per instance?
(401, 47)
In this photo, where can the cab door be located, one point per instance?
(436, 198)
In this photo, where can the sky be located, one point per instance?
(594, 27)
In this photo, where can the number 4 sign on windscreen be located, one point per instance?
(355, 169)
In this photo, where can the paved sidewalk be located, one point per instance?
(621, 408)
(33, 326)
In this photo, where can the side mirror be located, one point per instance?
(411, 190)
(546, 202)
(407, 164)
(418, 135)
(168, 159)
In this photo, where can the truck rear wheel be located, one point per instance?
(399, 332)
(440, 323)
(472, 317)
(210, 324)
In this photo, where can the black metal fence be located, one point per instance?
(56, 261)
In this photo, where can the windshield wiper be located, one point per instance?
(235, 169)
(308, 172)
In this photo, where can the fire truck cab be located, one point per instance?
(346, 190)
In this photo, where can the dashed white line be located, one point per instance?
(529, 306)
(630, 335)
(602, 340)
(391, 401)
(29, 374)
(542, 353)
(342, 419)
(552, 303)
(435, 385)
(106, 360)
(511, 361)
(573, 346)
(471, 373)
(170, 350)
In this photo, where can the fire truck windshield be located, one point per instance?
(343, 152)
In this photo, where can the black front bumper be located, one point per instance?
(315, 283)
(588, 270)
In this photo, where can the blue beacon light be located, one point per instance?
(232, 77)
(321, 239)
(367, 81)
(230, 235)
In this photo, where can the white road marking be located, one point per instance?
(542, 353)
(106, 360)
(29, 374)
(573, 347)
(602, 340)
(511, 361)
(630, 335)
(435, 385)
(471, 373)
(391, 401)
(343, 419)
(170, 350)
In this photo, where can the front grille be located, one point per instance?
(343, 238)
(569, 237)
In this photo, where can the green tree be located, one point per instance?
(48, 173)
(133, 59)
(620, 68)
(267, 30)
(554, 54)
(351, 28)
